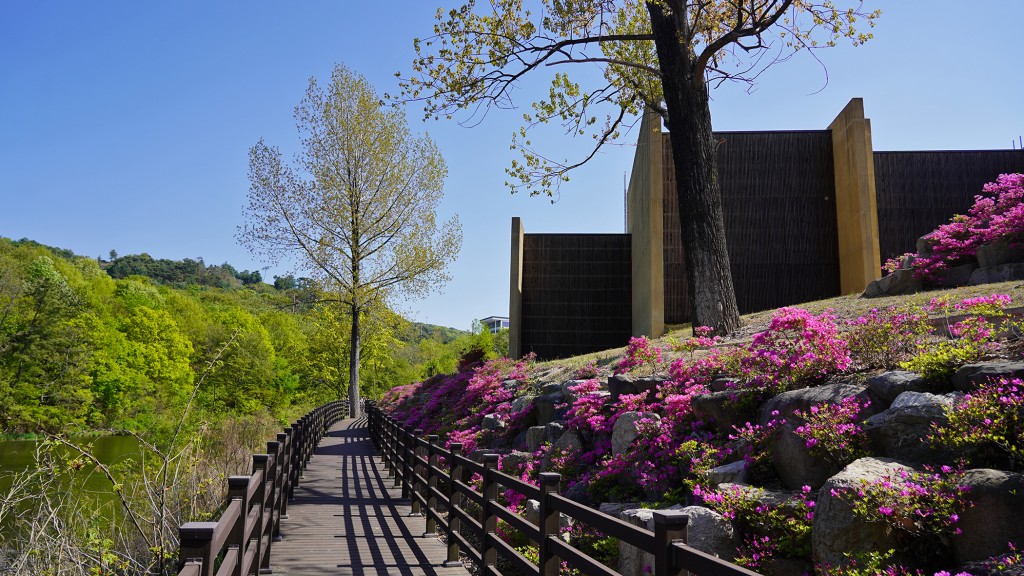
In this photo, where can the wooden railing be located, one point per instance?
(238, 543)
(441, 494)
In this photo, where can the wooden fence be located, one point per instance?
(238, 543)
(442, 494)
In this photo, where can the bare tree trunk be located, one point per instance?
(353, 366)
(712, 296)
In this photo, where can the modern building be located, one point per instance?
(809, 214)
(495, 323)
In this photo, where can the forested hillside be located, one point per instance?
(84, 348)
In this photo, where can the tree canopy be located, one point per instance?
(357, 208)
(659, 54)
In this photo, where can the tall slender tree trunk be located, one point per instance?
(353, 365)
(712, 296)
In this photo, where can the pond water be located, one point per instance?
(18, 456)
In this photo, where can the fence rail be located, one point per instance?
(238, 543)
(445, 497)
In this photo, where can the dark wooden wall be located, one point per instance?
(918, 191)
(577, 293)
(778, 194)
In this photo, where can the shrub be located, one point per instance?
(997, 214)
(640, 355)
(884, 338)
(919, 509)
(587, 371)
(987, 426)
(971, 339)
(798, 348)
(768, 530)
(832, 431)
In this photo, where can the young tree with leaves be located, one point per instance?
(662, 54)
(357, 208)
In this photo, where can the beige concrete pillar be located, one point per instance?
(645, 224)
(856, 210)
(515, 298)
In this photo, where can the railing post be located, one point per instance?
(406, 456)
(669, 526)
(195, 545)
(415, 486)
(238, 489)
(385, 444)
(276, 450)
(454, 500)
(285, 438)
(261, 462)
(490, 520)
(550, 525)
(431, 485)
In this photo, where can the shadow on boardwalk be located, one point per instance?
(348, 519)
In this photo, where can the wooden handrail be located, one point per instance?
(238, 542)
(412, 459)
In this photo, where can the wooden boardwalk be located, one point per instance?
(347, 519)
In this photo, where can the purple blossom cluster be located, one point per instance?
(674, 449)
(997, 214)
(639, 353)
(833, 431)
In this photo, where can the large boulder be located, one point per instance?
(901, 432)
(1001, 273)
(648, 384)
(625, 429)
(995, 517)
(837, 530)
(802, 399)
(925, 245)
(619, 384)
(968, 376)
(632, 560)
(794, 462)
(547, 406)
(522, 403)
(553, 431)
(492, 422)
(567, 386)
(957, 275)
(568, 443)
(900, 282)
(534, 437)
(999, 252)
(726, 409)
(888, 385)
(514, 462)
(732, 473)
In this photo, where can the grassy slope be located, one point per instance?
(844, 307)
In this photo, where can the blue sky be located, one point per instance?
(125, 125)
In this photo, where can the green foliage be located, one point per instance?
(79, 349)
(987, 427)
(181, 273)
(364, 177)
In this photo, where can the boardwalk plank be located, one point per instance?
(348, 520)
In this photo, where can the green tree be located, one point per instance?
(357, 209)
(662, 54)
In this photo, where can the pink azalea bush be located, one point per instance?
(640, 353)
(997, 214)
(920, 510)
(833, 431)
(797, 349)
(884, 338)
(674, 451)
(987, 426)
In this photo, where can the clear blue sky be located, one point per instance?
(125, 125)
